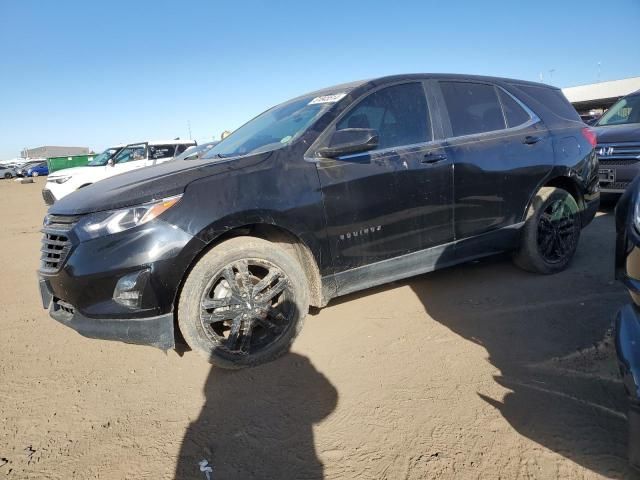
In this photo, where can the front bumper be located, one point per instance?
(80, 293)
(154, 331)
(623, 175)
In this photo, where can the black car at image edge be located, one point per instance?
(326, 194)
(627, 322)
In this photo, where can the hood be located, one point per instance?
(71, 171)
(146, 184)
(618, 133)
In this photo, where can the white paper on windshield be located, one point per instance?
(328, 98)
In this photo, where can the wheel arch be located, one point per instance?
(281, 236)
(563, 181)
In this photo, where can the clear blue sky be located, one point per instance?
(96, 73)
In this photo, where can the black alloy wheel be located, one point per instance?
(246, 307)
(557, 232)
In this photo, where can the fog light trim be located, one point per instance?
(130, 287)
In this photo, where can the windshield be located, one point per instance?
(274, 128)
(103, 158)
(625, 111)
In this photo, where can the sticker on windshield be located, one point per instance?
(328, 98)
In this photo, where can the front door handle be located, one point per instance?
(531, 139)
(431, 158)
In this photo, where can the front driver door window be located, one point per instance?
(399, 115)
(386, 203)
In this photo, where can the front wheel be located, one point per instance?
(34, 174)
(243, 303)
(551, 232)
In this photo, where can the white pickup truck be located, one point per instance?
(113, 161)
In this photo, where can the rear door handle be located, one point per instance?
(431, 158)
(531, 139)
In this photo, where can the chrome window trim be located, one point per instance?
(384, 151)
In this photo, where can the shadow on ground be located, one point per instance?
(257, 423)
(548, 336)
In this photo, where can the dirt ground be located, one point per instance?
(476, 371)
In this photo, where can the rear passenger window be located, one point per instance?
(553, 99)
(398, 113)
(513, 112)
(473, 107)
(161, 151)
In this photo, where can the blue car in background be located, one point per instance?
(37, 170)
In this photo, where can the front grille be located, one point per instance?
(618, 163)
(614, 153)
(49, 199)
(614, 185)
(56, 242)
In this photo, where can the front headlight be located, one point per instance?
(636, 214)
(113, 221)
(61, 179)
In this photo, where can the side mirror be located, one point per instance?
(195, 156)
(110, 162)
(350, 140)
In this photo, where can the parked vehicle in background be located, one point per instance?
(7, 172)
(22, 169)
(618, 133)
(590, 119)
(197, 151)
(627, 323)
(37, 170)
(114, 160)
(329, 193)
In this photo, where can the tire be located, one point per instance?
(34, 174)
(7, 176)
(551, 232)
(233, 322)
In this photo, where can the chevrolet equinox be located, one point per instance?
(326, 194)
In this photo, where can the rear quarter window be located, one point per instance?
(554, 100)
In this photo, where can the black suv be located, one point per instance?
(326, 194)
(618, 150)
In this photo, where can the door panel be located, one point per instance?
(496, 167)
(495, 176)
(391, 201)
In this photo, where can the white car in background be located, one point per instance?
(113, 161)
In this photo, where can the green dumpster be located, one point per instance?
(60, 163)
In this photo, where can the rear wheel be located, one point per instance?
(551, 232)
(34, 174)
(7, 175)
(243, 303)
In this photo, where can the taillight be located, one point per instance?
(590, 135)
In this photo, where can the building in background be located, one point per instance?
(53, 151)
(595, 98)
